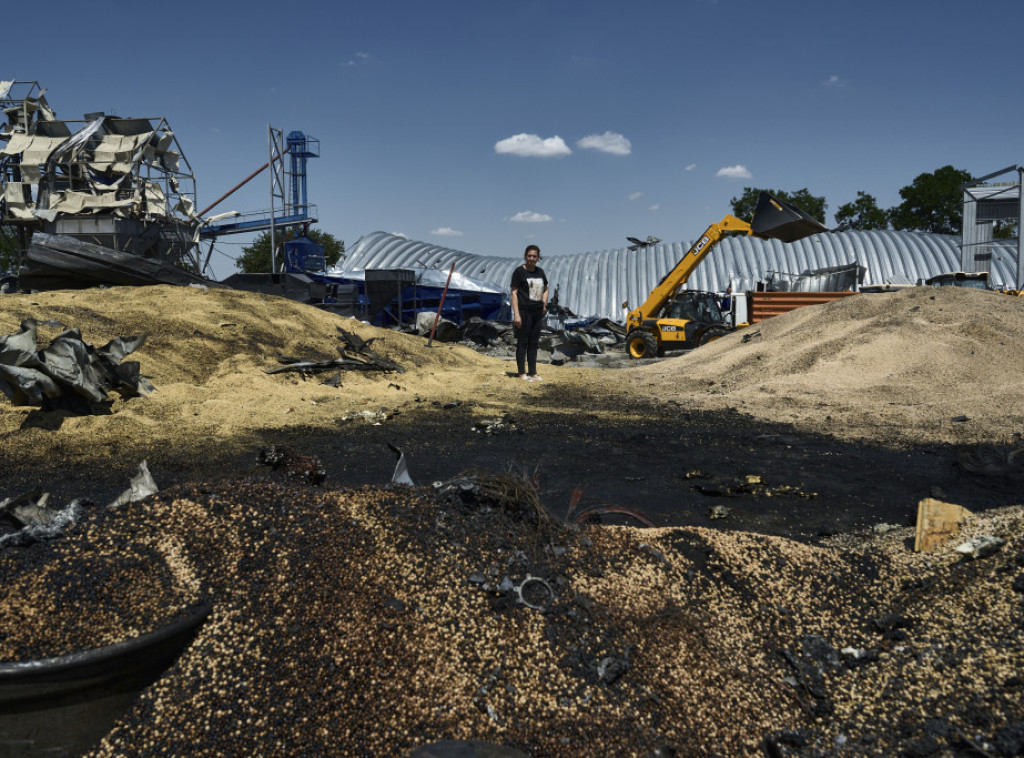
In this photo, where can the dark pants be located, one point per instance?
(528, 339)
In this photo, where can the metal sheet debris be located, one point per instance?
(141, 486)
(69, 374)
(356, 355)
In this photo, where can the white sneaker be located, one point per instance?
(525, 378)
(535, 378)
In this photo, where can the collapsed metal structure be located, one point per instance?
(122, 184)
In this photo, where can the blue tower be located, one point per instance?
(300, 149)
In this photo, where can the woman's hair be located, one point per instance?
(529, 248)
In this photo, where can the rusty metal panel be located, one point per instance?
(767, 304)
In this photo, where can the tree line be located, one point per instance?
(933, 202)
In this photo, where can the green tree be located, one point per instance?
(932, 203)
(862, 214)
(744, 205)
(1005, 230)
(255, 258)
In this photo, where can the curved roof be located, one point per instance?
(596, 284)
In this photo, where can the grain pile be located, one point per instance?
(369, 621)
(207, 352)
(892, 367)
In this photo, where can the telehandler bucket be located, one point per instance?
(778, 220)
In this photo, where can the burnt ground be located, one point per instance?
(671, 464)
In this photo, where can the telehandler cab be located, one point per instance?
(673, 319)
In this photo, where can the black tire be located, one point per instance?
(711, 335)
(641, 343)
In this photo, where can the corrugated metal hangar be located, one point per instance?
(597, 284)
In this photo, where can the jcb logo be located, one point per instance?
(701, 244)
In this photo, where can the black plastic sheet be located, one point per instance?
(69, 374)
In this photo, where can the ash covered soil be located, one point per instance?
(777, 606)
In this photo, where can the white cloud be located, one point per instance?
(655, 207)
(636, 196)
(532, 146)
(735, 172)
(834, 81)
(446, 231)
(530, 217)
(359, 58)
(691, 167)
(609, 142)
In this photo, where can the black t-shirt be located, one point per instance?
(529, 287)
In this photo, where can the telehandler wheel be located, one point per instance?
(640, 343)
(711, 335)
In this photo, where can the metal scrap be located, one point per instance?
(69, 373)
(141, 486)
(401, 473)
(29, 508)
(36, 519)
(356, 355)
(537, 588)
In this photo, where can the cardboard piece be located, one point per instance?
(937, 522)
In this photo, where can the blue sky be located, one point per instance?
(485, 126)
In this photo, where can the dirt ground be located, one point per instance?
(848, 414)
(777, 609)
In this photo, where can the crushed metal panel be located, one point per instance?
(56, 261)
(105, 167)
(829, 279)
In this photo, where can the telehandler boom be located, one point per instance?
(674, 319)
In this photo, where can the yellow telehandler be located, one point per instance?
(674, 319)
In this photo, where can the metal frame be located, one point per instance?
(275, 147)
(68, 167)
(984, 204)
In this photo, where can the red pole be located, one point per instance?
(440, 305)
(237, 187)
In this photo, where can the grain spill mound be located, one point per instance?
(207, 353)
(894, 367)
(370, 621)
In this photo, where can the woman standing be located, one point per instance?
(529, 304)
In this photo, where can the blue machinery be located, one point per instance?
(384, 297)
(289, 202)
